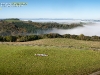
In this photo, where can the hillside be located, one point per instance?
(60, 42)
(18, 27)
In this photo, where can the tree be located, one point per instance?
(66, 36)
(81, 37)
(10, 38)
(94, 38)
(1, 38)
(73, 36)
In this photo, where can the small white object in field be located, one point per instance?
(41, 55)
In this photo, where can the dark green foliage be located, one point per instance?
(51, 35)
(33, 37)
(73, 36)
(10, 38)
(66, 36)
(27, 38)
(1, 38)
(9, 31)
(17, 27)
(95, 38)
(57, 25)
(28, 27)
(12, 19)
(88, 38)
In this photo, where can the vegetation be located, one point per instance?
(11, 31)
(61, 42)
(67, 54)
(10, 20)
(24, 38)
(17, 27)
(21, 60)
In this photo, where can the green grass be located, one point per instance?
(12, 21)
(62, 42)
(20, 60)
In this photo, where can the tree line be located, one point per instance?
(25, 38)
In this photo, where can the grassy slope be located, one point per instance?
(20, 60)
(10, 21)
(62, 42)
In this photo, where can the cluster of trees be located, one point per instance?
(16, 27)
(7, 28)
(12, 19)
(34, 26)
(77, 37)
(18, 38)
(48, 25)
(51, 35)
(27, 26)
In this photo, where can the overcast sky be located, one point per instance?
(77, 9)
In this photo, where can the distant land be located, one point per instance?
(15, 26)
(95, 20)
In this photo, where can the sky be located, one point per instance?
(76, 9)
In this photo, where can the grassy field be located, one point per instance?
(61, 42)
(20, 59)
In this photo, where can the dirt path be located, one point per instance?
(96, 73)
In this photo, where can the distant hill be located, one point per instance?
(14, 26)
(12, 20)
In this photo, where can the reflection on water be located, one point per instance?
(89, 30)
